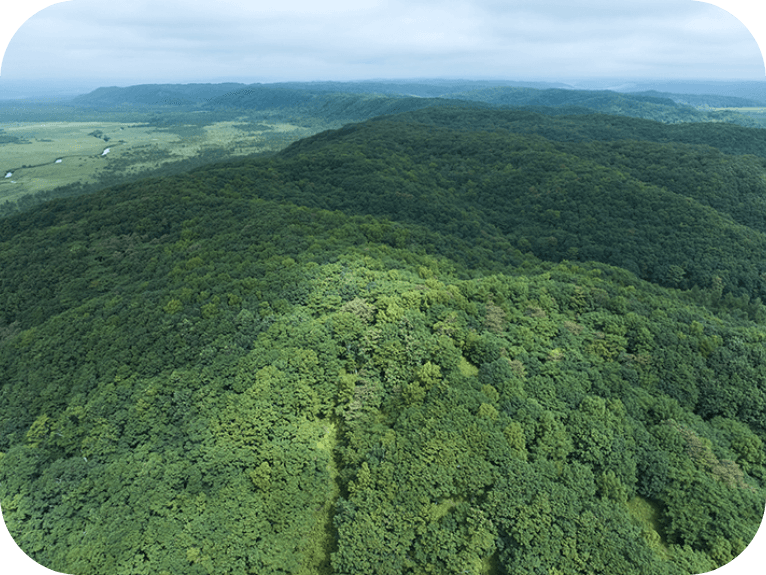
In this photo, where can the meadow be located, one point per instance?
(44, 155)
(751, 111)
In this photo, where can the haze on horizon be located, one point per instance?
(96, 43)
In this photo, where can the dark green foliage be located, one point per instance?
(511, 193)
(212, 373)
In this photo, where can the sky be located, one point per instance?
(168, 41)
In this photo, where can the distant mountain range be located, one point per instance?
(351, 101)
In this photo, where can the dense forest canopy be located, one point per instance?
(677, 214)
(455, 340)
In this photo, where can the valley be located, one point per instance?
(134, 148)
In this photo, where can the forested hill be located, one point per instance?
(333, 105)
(578, 124)
(348, 358)
(329, 107)
(711, 100)
(355, 101)
(154, 95)
(675, 214)
(657, 107)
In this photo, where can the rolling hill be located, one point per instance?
(435, 341)
(354, 101)
(618, 202)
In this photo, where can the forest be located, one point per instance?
(189, 119)
(456, 339)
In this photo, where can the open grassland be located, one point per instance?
(42, 156)
(760, 109)
(32, 158)
(757, 111)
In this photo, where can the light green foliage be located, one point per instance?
(261, 476)
(429, 375)
(648, 515)
(38, 431)
(487, 411)
(173, 306)
(551, 441)
(514, 434)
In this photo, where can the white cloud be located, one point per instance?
(174, 40)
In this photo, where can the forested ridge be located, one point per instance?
(188, 109)
(354, 101)
(677, 214)
(426, 343)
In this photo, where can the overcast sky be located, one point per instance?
(142, 41)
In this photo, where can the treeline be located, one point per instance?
(578, 124)
(181, 95)
(326, 107)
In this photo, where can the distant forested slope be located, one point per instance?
(681, 216)
(710, 100)
(333, 105)
(349, 101)
(752, 90)
(324, 106)
(154, 95)
(663, 107)
(578, 124)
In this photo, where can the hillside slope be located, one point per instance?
(353, 101)
(201, 376)
(519, 192)
(578, 124)
(244, 385)
(328, 107)
(154, 95)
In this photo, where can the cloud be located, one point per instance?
(174, 40)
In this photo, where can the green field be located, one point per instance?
(757, 109)
(42, 156)
(752, 111)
